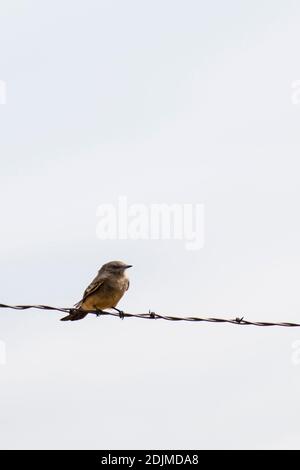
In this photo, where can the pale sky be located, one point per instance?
(162, 102)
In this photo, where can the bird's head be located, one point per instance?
(115, 267)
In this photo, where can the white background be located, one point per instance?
(163, 102)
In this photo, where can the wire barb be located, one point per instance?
(153, 316)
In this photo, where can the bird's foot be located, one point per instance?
(120, 312)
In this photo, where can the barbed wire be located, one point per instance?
(154, 316)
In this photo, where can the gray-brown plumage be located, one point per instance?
(104, 291)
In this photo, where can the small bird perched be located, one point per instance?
(104, 291)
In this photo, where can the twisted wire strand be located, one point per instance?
(155, 316)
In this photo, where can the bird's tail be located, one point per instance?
(75, 314)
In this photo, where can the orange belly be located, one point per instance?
(102, 300)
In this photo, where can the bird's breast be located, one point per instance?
(107, 296)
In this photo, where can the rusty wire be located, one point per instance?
(156, 316)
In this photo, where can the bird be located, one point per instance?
(105, 291)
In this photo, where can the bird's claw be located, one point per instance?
(120, 312)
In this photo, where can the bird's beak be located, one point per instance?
(128, 266)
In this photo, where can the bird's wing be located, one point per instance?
(94, 285)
